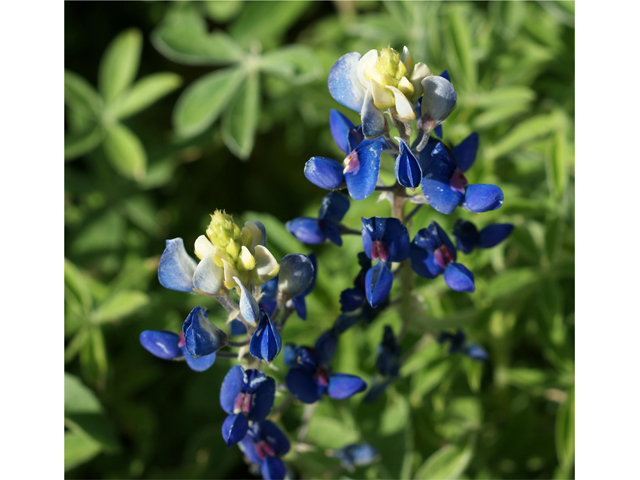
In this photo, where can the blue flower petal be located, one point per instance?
(266, 341)
(269, 289)
(445, 75)
(161, 343)
(314, 262)
(340, 127)
(234, 429)
(248, 447)
(300, 306)
(436, 182)
(200, 335)
(465, 153)
(408, 170)
(306, 229)
(475, 351)
(438, 131)
(343, 386)
(296, 273)
(459, 278)
(466, 235)
(422, 260)
(343, 82)
(332, 231)
(262, 399)
(236, 327)
(374, 123)
(351, 299)
(363, 168)
(326, 345)
(290, 355)
(303, 385)
(378, 282)
(199, 364)
(424, 157)
(492, 235)
(391, 233)
(334, 207)
(345, 321)
(231, 387)
(176, 267)
(482, 198)
(324, 172)
(364, 454)
(272, 434)
(354, 138)
(273, 468)
(248, 306)
(438, 100)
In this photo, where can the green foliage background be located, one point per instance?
(149, 159)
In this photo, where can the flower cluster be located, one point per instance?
(387, 89)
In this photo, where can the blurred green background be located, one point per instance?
(173, 110)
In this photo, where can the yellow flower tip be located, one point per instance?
(223, 230)
(390, 64)
(246, 261)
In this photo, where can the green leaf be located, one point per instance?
(203, 101)
(81, 96)
(395, 416)
(523, 133)
(565, 431)
(463, 46)
(102, 232)
(78, 398)
(119, 64)
(121, 304)
(76, 282)
(95, 426)
(146, 92)
(125, 152)
(498, 115)
(78, 449)
(553, 237)
(266, 22)
(557, 165)
(527, 378)
(510, 281)
(429, 379)
(241, 118)
(77, 144)
(93, 357)
(223, 11)
(297, 63)
(500, 96)
(183, 38)
(448, 463)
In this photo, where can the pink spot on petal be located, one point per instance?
(242, 403)
(351, 163)
(379, 250)
(443, 256)
(458, 181)
(263, 449)
(322, 376)
(181, 342)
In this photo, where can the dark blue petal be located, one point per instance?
(459, 278)
(351, 299)
(475, 351)
(307, 230)
(273, 469)
(268, 306)
(363, 167)
(300, 305)
(438, 131)
(374, 123)
(269, 289)
(465, 153)
(234, 429)
(396, 237)
(334, 207)
(424, 157)
(408, 170)
(466, 235)
(176, 267)
(237, 327)
(308, 359)
(492, 235)
(262, 399)
(437, 231)
(354, 138)
(340, 127)
(248, 447)
(376, 390)
(200, 335)
(331, 231)
(231, 387)
(296, 273)
(199, 364)
(445, 75)
(326, 345)
(438, 100)
(266, 341)
(422, 259)
(161, 343)
(324, 172)
(314, 262)
(378, 282)
(436, 182)
(269, 432)
(343, 82)
(290, 355)
(302, 385)
(482, 198)
(457, 340)
(343, 386)
(345, 321)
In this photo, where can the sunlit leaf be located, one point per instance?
(448, 463)
(146, 92)
(119, 64)
(121, 304)
(78, 449)
(125, 152)
(240, 120)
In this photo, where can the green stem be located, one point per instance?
(405, 272)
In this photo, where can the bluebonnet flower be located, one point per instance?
(353, 298)
(432, 253)
(309, 377)
(314, 231)
(385, 240)
(469, 238)
(266, 342)
(246, 395)
(171, 346)
(464, 154)
(227, 251)
(200, 335)
(450, 98)
(375, 82)
(236, 327)
(359, 170)
(387, 364)
(445, 186)
(458, 343)
(263, 446)
(355, 455)
(408, 169)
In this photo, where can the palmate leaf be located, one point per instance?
(448, 463)
(119, 64)
(81, 96)
(203, 101)
(241, 118)
(125, 152)
(296, 63)
(146, 92)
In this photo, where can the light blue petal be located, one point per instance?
(340, 127)
(373, 122)
(438, 101)
(176, 267)
(296, 273)
(344, 85)
(324, 172)
(459, 278)
(248, 306)
(208, 276)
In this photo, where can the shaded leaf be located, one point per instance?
(78, 449)
(241, 118)
(76, 282)
(119, 64)
(223, 11)
(146, 92)
(565, 431)
(121, 304)
(95, 426)
(79, 398)
(447, 463)
(77, 144)
(297, 63)
(81, 96)
(125, 152)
